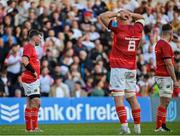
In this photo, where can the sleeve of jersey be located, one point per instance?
(166, 51)
(139, 24)
(27, 51)
(110, 27)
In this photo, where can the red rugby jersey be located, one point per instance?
(125, 42)
(163, 50)
(30, 52)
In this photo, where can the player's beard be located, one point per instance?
(37, 44)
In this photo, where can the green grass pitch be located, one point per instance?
(87, 129)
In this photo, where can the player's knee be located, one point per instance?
(28, 103)
(164, 101)
(133, 102)
(35, 102)
(119, 100)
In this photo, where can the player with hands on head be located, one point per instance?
(126, 38)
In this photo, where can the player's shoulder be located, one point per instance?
(163, 43)
(28, 45)
(159, 43)
(139, 25)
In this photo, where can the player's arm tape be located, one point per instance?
(142, 21)
(167, 58)
(30, 68)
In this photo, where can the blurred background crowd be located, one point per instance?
(75, 50)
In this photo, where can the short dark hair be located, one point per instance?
(34, 32)
(78, 82)
(166, 27)
(14, 45)
(58, 77)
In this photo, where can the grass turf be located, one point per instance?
(87, 129)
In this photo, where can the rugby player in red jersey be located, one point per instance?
(30, 80)
(165, 75)
(126, 39)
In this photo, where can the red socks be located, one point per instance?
(161, 116)
(121, 112)
(136, 116)
(34, 117)
(31, 118)
(28, 119)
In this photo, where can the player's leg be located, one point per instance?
(130, 94)
(121, 112)
(35, 104)
(27, 116)
(161, 114)
(117, 86)
(120, 109)
(33, 92)
(27, 112)
(166, 89)
(136, 111)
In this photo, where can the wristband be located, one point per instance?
(118, 14)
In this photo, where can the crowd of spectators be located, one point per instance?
(74, 52)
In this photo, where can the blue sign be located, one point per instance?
(11, 111)
(172, 111)
(70, 110)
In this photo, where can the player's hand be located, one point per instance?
(35, 75)
(176, 84)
